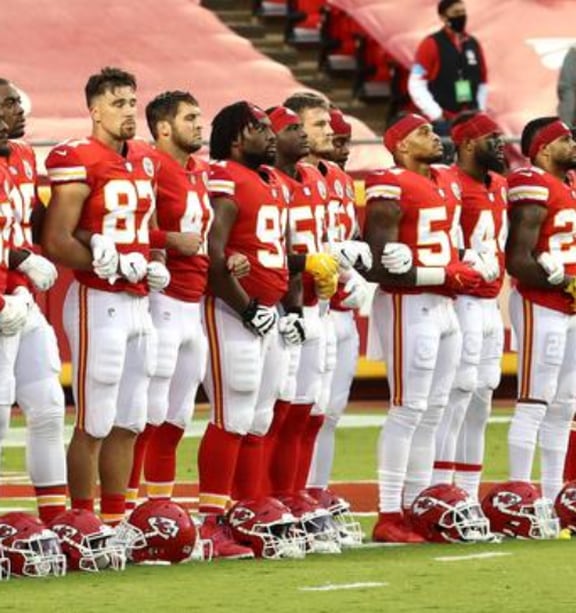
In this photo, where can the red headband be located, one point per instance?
(400, 130)
(546, 135)
(257, 112)
(337, 122)
(477, 126)
(281, 118)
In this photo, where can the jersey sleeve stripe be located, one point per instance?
(528, 192)
(221, 187)
(68, 173)
(384, 191)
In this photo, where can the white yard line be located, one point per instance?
(473, 556)
(331, 587)
(17, 436)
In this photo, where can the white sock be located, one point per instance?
(323, 457)
(522, 437)
(393, 452)
(554, 433)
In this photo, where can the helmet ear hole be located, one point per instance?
(517, 509)
(160, 531)
(446, 514)
(30, 548)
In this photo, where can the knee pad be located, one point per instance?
(109, 351)
(432, 416)
(43, 403)
(489, 376)
(243, 365)
(466, 378)
(166, 354)
(407, 416)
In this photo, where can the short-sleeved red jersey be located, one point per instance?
(121, 199)
(21, 165)
(430, 210)
(7, 224)
(484, 222)
(534, 186)
(259, 231)
(307, 218)
(183, 205)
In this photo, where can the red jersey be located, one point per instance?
(259, 231)
(307, 218)
(21, 165)
(6, 224)
(183, 205)
(484, 222)
(121, 199)
(529, 186)
(430, 209)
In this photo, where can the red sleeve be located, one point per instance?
(427, 57)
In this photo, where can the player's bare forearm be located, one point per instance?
(296, 263)
(293, 297)
(381, 227)
(224, 285)
(37, 221)
(521, 263)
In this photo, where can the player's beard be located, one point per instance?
(488, 160)
(4, 149)
(254, 160)
(569, 163)
(186, 145)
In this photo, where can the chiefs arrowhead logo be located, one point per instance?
(164, 527)
(240, 515)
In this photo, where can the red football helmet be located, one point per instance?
(85, 541)
(33, 550)
(159, 530)
(315, 521)
(4, 566)
(565, 506)
(516, 508)
(268, 527)
(446, 514)
(349, 530)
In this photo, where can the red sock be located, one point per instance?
(285, 456)
(138, 460)
(570, 464)
(249, 469)
(84, 504)
(307, 445)
(281, 408)
(160, 461)
(51, 501)
(112, 508)
(217, 458)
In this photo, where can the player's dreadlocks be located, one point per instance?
(227, 127)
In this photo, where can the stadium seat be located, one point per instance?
(304, 20)
(338, 45)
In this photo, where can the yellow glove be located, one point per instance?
(326, 286)
(321, 265)
(570, 288)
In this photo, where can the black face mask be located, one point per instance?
(458, 24)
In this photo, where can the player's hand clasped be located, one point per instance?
(461, 277)
(396, 258)
(352, 254)
(553, 267)
(292, 328)
(157, 276)
(40, 271)
(104, 256)
(258, 318)
(13, 313)
(356, 288)
(484, 262)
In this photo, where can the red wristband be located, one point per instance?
(158, 239)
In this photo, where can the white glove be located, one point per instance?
(396, 258)
(132, 266)
(292, 328)
(553, 267)
(352, 254)
(104, 256)
(40, 271)
(157, 276)
(13, 315)
(259, 319)
(356, 288)
(484, 263)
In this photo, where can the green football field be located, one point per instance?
(511, 576)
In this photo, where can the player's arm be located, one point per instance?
(58, 238)
(222, 283)
(521, 258)
(381, 227)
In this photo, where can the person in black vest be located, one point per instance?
(449, 71)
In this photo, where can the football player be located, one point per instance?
(37, 386)
(540, 257)
(103, 196)
(483, 223)
(241, 316)
(413, 317)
